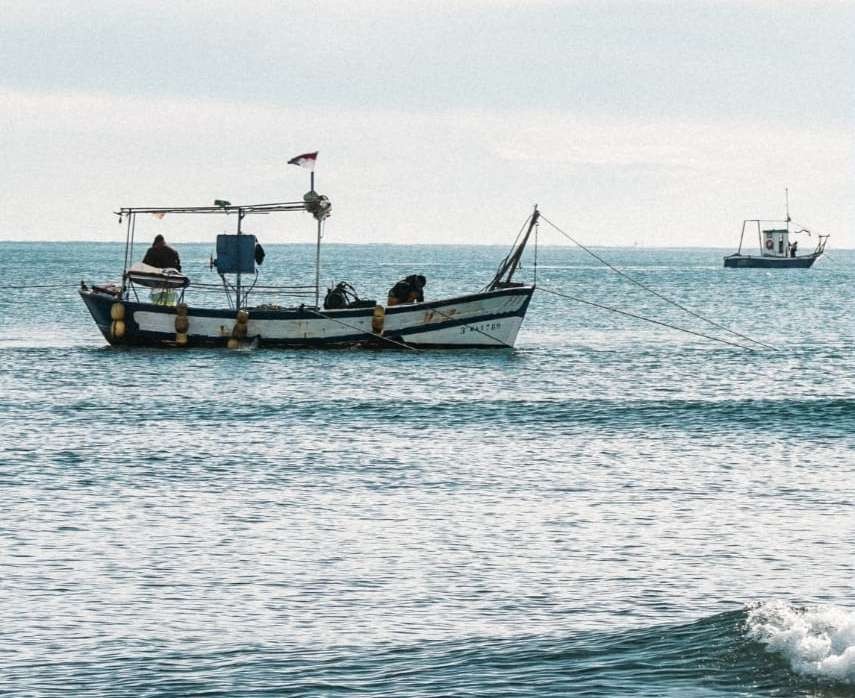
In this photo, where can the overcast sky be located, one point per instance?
(651, 123)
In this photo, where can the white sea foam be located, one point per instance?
(816, 640)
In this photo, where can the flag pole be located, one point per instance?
(313, 201)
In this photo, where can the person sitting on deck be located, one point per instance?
(161, 255)
(409, 290)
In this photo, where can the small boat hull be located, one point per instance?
(490, 319)
(741, 261)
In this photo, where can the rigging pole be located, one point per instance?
(237, 300)
(510, 263)
(317, 249)
(787, 200)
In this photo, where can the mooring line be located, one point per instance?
(25, 286)
(654, 291)
(646, 319)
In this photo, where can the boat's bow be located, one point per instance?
(491, 318)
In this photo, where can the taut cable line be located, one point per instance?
(655, 292)
(646, 319)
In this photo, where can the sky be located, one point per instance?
(628, 123)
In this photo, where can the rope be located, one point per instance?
(20, 286)
(360, 330)
(655, 292)
(646, 319)
(202, 284)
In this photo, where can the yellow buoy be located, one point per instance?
(378, 318)
(233, 343)
(117, 329)
(182, 324)
(117, 311)
(181, 339)
(239, 330)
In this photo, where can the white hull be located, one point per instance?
(490, 319)
(336, 326)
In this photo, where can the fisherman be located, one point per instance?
(409, 290)
(793, 248)
(161, 255)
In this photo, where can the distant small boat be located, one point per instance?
(777, 251)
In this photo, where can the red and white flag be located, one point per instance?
(306, 160)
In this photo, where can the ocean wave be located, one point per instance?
(816, 641)
(771, 649)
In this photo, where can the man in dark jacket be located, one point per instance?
(409, 290)
(161, 255)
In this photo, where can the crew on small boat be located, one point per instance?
(409, 290)
(793, 246)
(161, 255)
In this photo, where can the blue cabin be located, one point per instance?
(235, 254)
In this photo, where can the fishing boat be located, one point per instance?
(155, 307)
(777, 249)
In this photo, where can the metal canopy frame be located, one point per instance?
(240, 211)
(821, 239)
(758, 221)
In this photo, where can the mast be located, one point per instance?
(787, 204)
(127, 247)
(787, 199)
(237, 284)
(319, 207)
(317, 250)
(511, 262)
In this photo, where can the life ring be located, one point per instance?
(769, 244)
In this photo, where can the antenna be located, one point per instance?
(787, 197)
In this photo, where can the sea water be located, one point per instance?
(612, 508)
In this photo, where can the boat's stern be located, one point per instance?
(108, 311)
